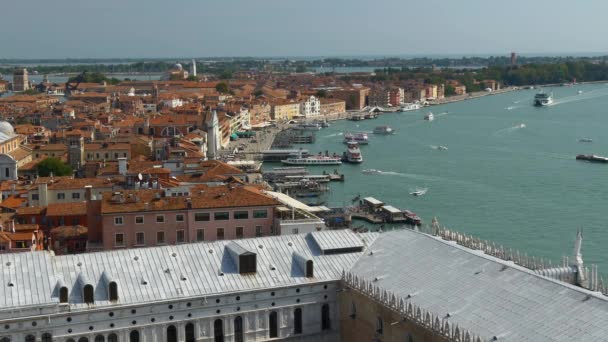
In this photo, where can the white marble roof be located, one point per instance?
(487, 296)
(171, 272)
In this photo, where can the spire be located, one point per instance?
(213, 137)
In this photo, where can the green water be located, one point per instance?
(519, 187)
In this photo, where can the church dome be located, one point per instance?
(178, 67)
(6, 128)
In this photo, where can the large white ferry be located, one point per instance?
(313, 160)
(543, 99)
(353, 153)
(359, 138)
(407, 107)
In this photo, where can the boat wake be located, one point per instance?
(509, 130)
(333, 135)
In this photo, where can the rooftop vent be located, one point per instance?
(337, 242)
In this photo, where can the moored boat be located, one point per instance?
(313, 160)
(407, 107)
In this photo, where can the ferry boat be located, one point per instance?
(592, 158)
(313, 160)
(352, 154)
(408, 107)
(360, 138)
(307, 126)
(429, 116)
(384, 130)
(543, 99)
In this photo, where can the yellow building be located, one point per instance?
(284, 110)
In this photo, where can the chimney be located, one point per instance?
(122, 166)
(42, 195)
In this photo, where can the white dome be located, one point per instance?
(178, 66)
(6, 128)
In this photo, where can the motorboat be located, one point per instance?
(585, 140)
(580, 91)
(442, 148)
(592, 158)
(360, 138)
(384, 130)
(543, 99)
(352, 154)
(429, 116)
(371, 172)
(419, 192)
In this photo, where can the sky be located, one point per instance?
(212, 28)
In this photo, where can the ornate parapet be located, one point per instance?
(409, 310)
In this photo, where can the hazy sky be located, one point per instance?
(182, 28)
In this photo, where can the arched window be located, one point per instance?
(112, 338)
(297, 321)
(100, 338)
(353, 310)
(325, 322)
(47, 337)
(379, 325)
(171, 333)
(83, 339)
(63, 294)
(218, 330)
(238, 329)
(88, 294)
(273, 327)
(113, 291)
(30, 338)
(190, 333)
(134, 336)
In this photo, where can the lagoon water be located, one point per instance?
(518, 185)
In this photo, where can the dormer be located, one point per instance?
(87, 289)
(305, 263)
(111, 286)
(62, 290)
(245, 260)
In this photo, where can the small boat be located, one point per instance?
(585, 140)
(580, 91)
(592, 158)
(429, 116)
(384, 130)
(543, 99)
(360, 138)
(371, 172)
(352, 154)
(419, 192)
(442, 148)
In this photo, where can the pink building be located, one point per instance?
(201, 213)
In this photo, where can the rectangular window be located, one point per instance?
(258, 231)
(140, 239)
(241, 215)
(200, 235)
(260, 213)
(160, 219)
(118, 221)
(221, 216)
(60, 195)
(179, 218)
(239, 232)
(220, 233)
(75, 195)
(119, 239)
(160, 237)
(139, 220)
(35, 197)
(294, 231)
(181, 236)
(201, 217)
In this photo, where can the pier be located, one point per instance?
(370, 210)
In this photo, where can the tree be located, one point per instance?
(300, 68)
(322, 93)
(192, 78)
(258, 92)
(222, 88)
(31, 91)
(54, 165)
